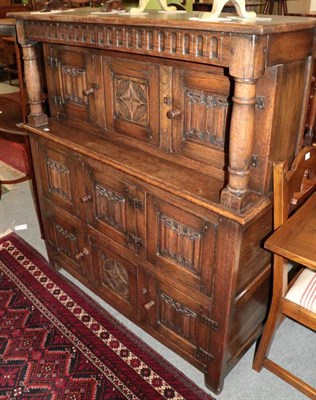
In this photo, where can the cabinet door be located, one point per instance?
(178, 318)
(62, 175)
(116, 207)
(132, 95)
(181, 243)
(75, 84)
(65, 234)
(200, 109)
(115, 278)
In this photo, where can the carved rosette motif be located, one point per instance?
(115, 276)
(180, 243)
(131, 100)
(210, 127)
(58, 178)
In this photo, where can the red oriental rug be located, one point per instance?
(57, 344)
(14, 154)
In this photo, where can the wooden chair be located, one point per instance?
(294, 208)
(269, 5)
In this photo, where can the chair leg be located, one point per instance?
(274, 319)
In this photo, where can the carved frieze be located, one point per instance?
(204, 47)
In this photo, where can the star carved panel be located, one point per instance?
(131, 100)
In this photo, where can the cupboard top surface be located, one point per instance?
(264, 25)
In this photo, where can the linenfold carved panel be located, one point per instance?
(110, 207)
(163, 42)
(74, 82)
(178, 317)
(205, 118)
(179, 243)
(58, 178)
(66, 241)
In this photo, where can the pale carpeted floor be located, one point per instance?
(243, 383)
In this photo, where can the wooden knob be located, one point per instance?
(149, 305)
(88, 92)
(174, 113)
(144, 291)
(86, 198)
(83, 252)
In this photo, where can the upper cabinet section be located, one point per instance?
(215, 98)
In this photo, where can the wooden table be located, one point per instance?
(296, 238)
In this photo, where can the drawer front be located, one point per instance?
(115, 278)
(61, 176)
(181, 243)
(74, 85)
(132, 96)
(116, 208)
(178, 318)
(65, 234)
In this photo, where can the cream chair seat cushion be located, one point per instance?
(303, 292)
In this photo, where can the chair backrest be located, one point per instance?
(292, 186)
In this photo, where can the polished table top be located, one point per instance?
(10, 116)
(296, 238)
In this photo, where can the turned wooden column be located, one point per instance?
(246, 66)
(37, 116)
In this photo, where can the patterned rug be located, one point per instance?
(57, 344)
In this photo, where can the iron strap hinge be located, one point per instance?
(209, 322)
(135, 203)
(52, 61)
(260, 102)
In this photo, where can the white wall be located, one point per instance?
(300, 6)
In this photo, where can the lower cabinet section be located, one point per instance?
(175, 268)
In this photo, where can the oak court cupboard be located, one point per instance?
(154, 165)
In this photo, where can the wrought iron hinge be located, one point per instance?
(135, 202)
(134, 240)
(260, 104)
(200, 353)
(57, 100)
(254, 160)
(52, 61)
(209, 322)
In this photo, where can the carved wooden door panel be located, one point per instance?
(75, 84)
(115, 277)
(185, 322)
(132, 98)
(200, 107)
(116, 207)
(68, 246)
(61, 176)
(182, 243)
